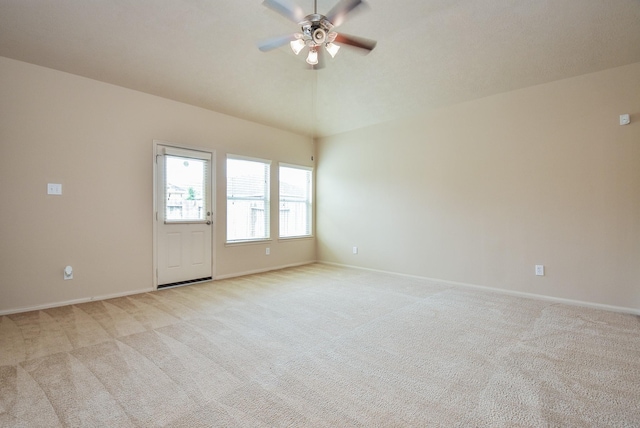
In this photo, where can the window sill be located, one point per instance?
(295, 238)
(247, 242)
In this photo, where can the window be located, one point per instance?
(185, 186)
(295, 201)
(247, 199)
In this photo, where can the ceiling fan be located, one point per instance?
(316, 31)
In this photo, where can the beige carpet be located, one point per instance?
(320, 346)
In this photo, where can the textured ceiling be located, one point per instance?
(430, 53)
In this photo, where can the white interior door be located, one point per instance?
(184, 216)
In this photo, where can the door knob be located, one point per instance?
(209, 222)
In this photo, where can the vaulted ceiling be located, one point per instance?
(430, 53)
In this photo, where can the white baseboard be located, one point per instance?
(130, 293)
(269, 269)
(622, 309)
(571, 302)
(72, 302)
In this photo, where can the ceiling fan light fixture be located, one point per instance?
(333, 49)
(316, 31)
(312, 58)
(297, 45)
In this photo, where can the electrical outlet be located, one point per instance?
(625, 119)
(540, 270)
(54, 189)
(267, 251)
(68, 273)
(355, 250)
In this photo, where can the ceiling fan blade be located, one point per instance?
(286, 8)
(356, 42)
(275, 42)
(339, 12)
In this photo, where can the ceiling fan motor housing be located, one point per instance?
(315, 29)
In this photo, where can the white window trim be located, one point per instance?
(183, 153)
(249, 158)
(291, 165)
(236, 242)
(311, 234)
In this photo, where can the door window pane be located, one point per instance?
(184, 189)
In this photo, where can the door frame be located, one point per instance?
(154, 217)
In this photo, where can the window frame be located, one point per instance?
(267, 200)
(205, 157)
(309, 201)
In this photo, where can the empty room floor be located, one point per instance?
(323, 346)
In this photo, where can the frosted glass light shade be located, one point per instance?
(332, 49)
(312, 59)
(297, 45)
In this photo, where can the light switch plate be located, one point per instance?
(54, 189)
(540, 270)
(624, 119)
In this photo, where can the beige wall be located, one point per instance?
(481, 192)
(475, 193)
(96, 139)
